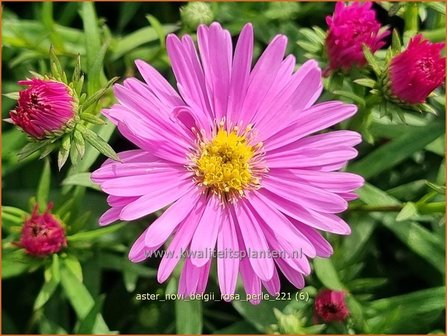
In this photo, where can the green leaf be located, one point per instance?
(188, 317)
(47, 290)
(437, 6)
(420, 302)
(73, 264)
(43, 189)
(81, 300)
(261, 316)
(366, 284)
(397, 150)
(136, 39)
(352, 96)
(409, 210)
(95, 234)
(92, 45)
(326, 273)
(81, 179)
(158, 29)
(99, 143)
(439, 189)
(418, 239)
(86, 326)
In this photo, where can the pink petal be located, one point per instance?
(240, 73)
(159, 85)
(326, 222)
(254, 240)
(227, 266)
(216, 51)
(262, 77)
(280, 225)
(189, 73)
(159, 231)
(305, 195)
(311, 120)
(273, 286)
(205, 236)
(161, 195)
(140, 251)
(181, 241)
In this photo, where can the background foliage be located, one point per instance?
(392, 266)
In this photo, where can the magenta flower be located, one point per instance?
(350, 27)
(44, 108)
(417, 71)
(234, 158)
(42, 234)
(330, 306)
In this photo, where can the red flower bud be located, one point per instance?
(44, 108)
(349, 28)
(42, 234)
(330, 306)
(417, 71)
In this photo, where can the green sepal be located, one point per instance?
(79, 143)
(427, 108)
(56, 67)
(367, 82)
(31, 148)
(372, 61)
(77, 70)
(97, 95)
(64, 151)
(396, 44)
(91, 118)
(12, 95)
(99, 143)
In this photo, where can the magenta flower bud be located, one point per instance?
(351, 27)
(45, 108)
(417, 71)
(42, 234)
(330, 306)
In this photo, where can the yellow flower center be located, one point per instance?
(226, 164)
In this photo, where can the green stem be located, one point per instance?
(422, 208)
(436, 35)
(411, 17)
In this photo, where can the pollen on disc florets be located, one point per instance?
(228, 164)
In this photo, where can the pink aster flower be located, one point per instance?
(44, 108)
(417, 71)
(239, 158)
(349, 28)
(42, 234)
(330, 306)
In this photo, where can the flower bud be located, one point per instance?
(196, 13)
(42, 234)
(416, 72)
(45, 109)
(350, 27)
(330, 306)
